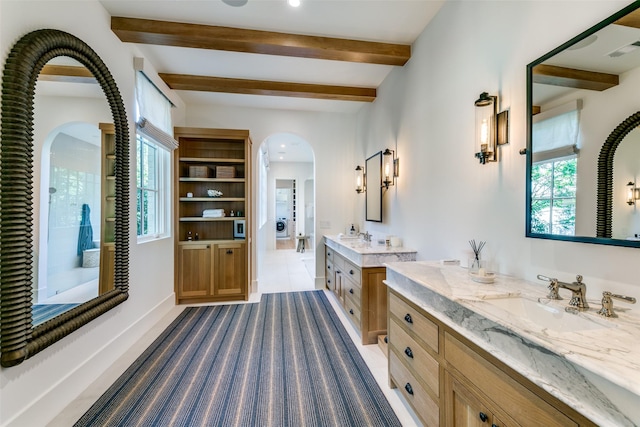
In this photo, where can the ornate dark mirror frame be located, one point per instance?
(18, 339)
(604, 197)
(604, 213)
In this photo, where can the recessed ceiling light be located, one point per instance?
(294, 3)
(282, 145)
(235, 3)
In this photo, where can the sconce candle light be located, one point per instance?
(389, 168)
(633, 193)
(492, 129)
(359, 179)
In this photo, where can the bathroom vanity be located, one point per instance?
(502, 354)
(354, 272)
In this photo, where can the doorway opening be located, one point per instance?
(286, 215)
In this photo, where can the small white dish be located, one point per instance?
(487, 278)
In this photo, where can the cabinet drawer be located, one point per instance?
(352, 272)
(328, 253)
(352, 288)
(413, 392)
(415, 356)
(330, 268)
(516, 400)
(353, 310)
(423, 328)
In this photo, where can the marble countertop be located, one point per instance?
(369, 254)
(595, 370)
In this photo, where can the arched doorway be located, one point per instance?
(285, 214)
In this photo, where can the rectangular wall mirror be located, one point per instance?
(373, 171)
(583, 154)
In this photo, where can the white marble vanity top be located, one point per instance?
(369, 254)
(593, 367)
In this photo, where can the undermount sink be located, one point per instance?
(547, 316)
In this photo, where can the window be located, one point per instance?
(152, 185)
(554, 170)
(553, 197)
(153, 166)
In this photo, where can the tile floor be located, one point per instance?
(282, 271)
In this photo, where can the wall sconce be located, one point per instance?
(389, 168)
(633, 193)
(492, 129)
(359, 179)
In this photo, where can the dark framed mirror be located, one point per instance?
(582, 150)
(19, 338)
(373, 169)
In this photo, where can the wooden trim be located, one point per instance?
(179, 34)
(262, 87)
(570, 77)
(67, 74)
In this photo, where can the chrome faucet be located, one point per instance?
(579, 293)
(366, 236)
(553, 287)
(607, 303)
(578, 289)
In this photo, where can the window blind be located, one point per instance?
(555, 132)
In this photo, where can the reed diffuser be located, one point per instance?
(477, 248)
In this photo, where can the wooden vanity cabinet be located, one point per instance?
(212, 250)
(361, 292)
(453, 382)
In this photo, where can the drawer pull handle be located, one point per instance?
(493, 425)
(351, 311)
(408, 352)
(328, 253)
(483, 417)
(229, 252)
(351, 272)
(351, 291)
(386, 339)
(328, 267)
(408, 318)
(409, 389)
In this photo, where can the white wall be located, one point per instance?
(35, 391)
(444, 197)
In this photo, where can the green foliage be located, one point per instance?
(553, 197)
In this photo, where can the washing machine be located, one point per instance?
(282, 228)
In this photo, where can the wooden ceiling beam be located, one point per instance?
(261, 87)
(630, 20)
(164, 33)
(570, 77)
(67, 74)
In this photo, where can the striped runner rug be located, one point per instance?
(286, 361)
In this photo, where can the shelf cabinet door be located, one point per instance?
(230, 269)
(194, 279)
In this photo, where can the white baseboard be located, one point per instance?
(44, 409)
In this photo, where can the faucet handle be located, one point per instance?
(578, 278)
(553, 287)
(607, 303)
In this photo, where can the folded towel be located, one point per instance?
(213, 213)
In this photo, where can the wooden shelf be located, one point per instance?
(200, 218)
(212, 199)
(188, 179)
(210, 160)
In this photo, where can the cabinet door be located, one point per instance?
(194, 279)
(465, 409)
(230, 269)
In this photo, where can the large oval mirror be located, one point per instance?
(581, 105)
(63, 193)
